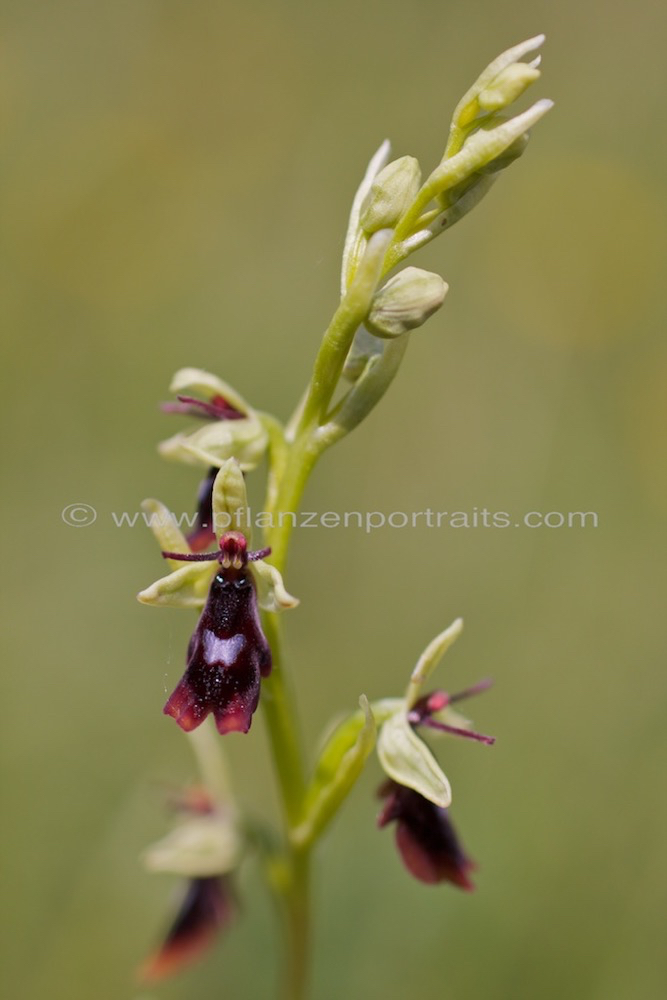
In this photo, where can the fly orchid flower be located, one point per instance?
(205, 848)
(232, 429)
(404, 756)
(418, 793)
(228, 653)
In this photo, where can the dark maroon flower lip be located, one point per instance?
(228, 653)
(425, 837)
(216, 408)
(206, 909)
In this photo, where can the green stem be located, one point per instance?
(280, 715)
(292, 461)
(279, 709)
(206, 746)
(298, 928)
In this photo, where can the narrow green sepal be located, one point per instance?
(162, 523)
(338, 768)
(407, 759)
(186, 587)
(429, 660)
(230, 501)
(214, 443)
(271, 593)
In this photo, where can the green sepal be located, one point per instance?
(409, 762)
(186, 587)
(429, 660)
(200, 847)
(245, 440)
(230, 501)
(162, 523)
(340, 764)
(271, 593)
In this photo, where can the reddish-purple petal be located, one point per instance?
(203, 534)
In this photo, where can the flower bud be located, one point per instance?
(496, 85)
(507, 86)
(405, 302)
(391, 194)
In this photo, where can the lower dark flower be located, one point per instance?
(425, 837)
(206, 909)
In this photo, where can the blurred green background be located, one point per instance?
(175, 185)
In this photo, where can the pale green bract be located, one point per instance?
(339, 765)
(199, 847)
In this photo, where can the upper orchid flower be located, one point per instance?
(228, 652)
(232, 430)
